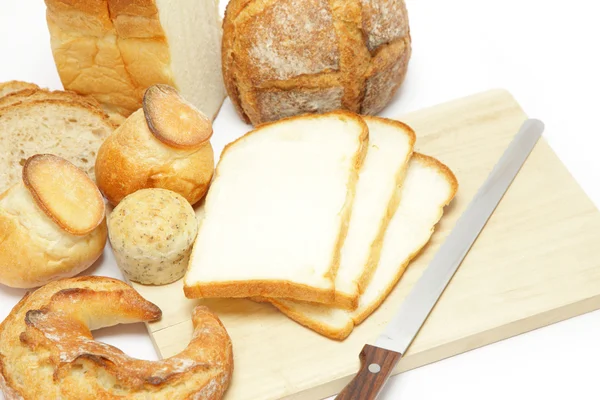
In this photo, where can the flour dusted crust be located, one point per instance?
(48, 351)
(288, 57)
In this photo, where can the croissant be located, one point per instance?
(48, 352)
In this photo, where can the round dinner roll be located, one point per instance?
(152, 232)
(165, 144)
(52, 223)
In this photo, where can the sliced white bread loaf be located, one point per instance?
(428, 187)
(277, 211)
(113, 50)
(383, 171)
(67, 129)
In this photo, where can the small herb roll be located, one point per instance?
(151, 232)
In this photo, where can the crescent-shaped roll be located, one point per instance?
(47, 349)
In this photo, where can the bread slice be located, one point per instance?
(25, 95)
(277, 211)
(113, 50)
(383, 171)
(428, 187)
(15, 86)
(70, 130)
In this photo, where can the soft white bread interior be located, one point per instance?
(428, 187)
(390, 148)
(52, 224)
(115, 49)
(68, 129)
(277, 211)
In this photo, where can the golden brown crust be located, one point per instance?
(265, 288)
(107, 69)
(284, 58)
(47, 349)
(356, 318)
(44, 94)
(385, 75)
(132, 158)
(78, 210)
(451, 179)
(174, 121)
(336, 334)
(34, 250)
(9, 87)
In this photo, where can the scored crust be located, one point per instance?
(64, 192)
(173, 120)
(288, 57)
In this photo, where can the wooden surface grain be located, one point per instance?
(536, 262)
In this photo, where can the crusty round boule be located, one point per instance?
(291, 57)
(52, 223)
(165, 144)
(152, 232)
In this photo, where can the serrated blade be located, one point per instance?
(415, 309)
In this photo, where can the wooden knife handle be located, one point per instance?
(376, 365)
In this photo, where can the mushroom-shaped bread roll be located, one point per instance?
(52, 223)
(165, 144)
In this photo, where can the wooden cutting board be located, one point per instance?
(536, 262)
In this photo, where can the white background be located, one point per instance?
(546, 53)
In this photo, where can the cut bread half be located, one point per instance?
(9, 87)
(67, 129)
(428, 187)
(277, 211)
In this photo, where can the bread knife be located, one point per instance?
(378, 362)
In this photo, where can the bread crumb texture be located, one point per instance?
(289, 57)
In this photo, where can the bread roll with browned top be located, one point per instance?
(52, 223)
(165, 144)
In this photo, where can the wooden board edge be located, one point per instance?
(473, 342)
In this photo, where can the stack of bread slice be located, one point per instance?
(37, 121)
(318, 215)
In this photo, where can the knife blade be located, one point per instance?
(377, 362)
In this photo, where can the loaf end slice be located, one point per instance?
(69, 130)
(277, 212)
(428, 187)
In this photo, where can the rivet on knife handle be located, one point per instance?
(376, 365)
